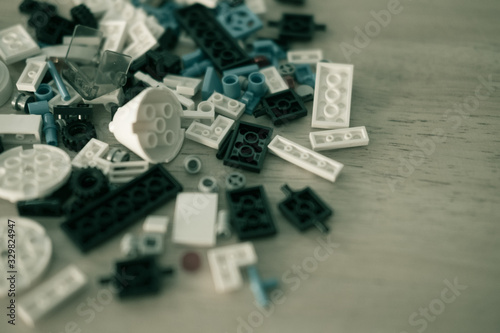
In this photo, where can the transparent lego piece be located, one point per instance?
(339, 138)
(115, 34)
(90, 73)
(32, 76)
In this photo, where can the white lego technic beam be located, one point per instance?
(339, 138)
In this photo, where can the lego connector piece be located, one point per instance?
(96, 222)
(75, 111)
(339, 138)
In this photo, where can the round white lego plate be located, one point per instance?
(32, 253)
(32, 173)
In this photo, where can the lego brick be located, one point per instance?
(115, 34)
(225, 263)
(204, 113)
(116, 97)
(240, 22)
(282, 107)
(5, 84)
(260, 287)
(142, 40)
(250, 213)
(91, 154)
(248, 146)
(40, 207)
(297, 27)
(211, 84)
(123, 172)
(156, 223)
(160, 63)
(274, 81)
(211, 37)
(32, 76)
(224, 145)
(16, 44)
(332, 97)
(304, 74)
(305, 158)
(183, 85)
(52, 293)
(226, 106)
(339, 138)
(242, 70)
(20, 129)
(150, 244)
(210, 136)
(194, 219)
(113, 212)
(78, 111)
(305, 56)
(81, 14)
(75, 98)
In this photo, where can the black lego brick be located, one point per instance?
(113, 212)
(79, 111)
(250, 214)
(282, 107)
(222, 49)
(248, 146)
(297, 27)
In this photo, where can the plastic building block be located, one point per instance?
(339, 138)
(189, 59)
(58, 100)
(268, 49)
(5, 84)
(195, 219)
(196, 69)
(251, 101)
(138, 276)
(221, 152)
(223, 224)
(304, 91)
(168, 40)
(282, 107)
(332, 98)
(290, 81)
(211, 84)
(123, 172)
(40, 207)
(1, 146)
(150, 125)
(38, 108)
(274, 81)
(76, 111)
(235, 181)
(256, 6)
(61, 86)
(259, 287)
(115, 34)
(77, 133)
(33, 252)
(88, 183)
(16, 44)
(44, 93)
(208, 184)
(51, 30)
(150, 244)
(20, 129)
(211, 37)
(81, 14)
(304, 74)
(32, 76)
(248, 146)
(305, 56)
(142, 40)
(205, 113)
(117, 155)
(231, 86)
(192, 164)
(156, 223)
(297, 27)
(286, 69)
(257, 84)
(242, 70)
(210, 136)
(226, 106)
(305, 209)
(305, 158)
(240, 21)
(113, 212)
(159, 63)
(183, 85)
(97, 7)
(114, 98)
(225, 263)
(90, 154)
(51, 294)
(191, 261)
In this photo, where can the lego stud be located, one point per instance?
(257, 84)
(192, 164)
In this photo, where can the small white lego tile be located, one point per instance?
(226, 106)
(225, 263)
(305, 158)
(123, 172)
(50, 294)
(115, 34)
(57, 99)
(20, 128)
(210, 136)
(274, 81)
(305, 56)
(142, 40)
(183, 85)
(339, 138)
(332, 95)
(32, 253)
(32, 76)
(156, 223)
(195, 218)
(16, 44)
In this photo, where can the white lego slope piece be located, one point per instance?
(225, 263)
(332, 95)
(115, 34)
(20, 128)
(305, 158)
(33, 252)
(32, 76)
(210, 136)
(142, 40)
(183, 85)
(205, 113)
(305, 56)
(156, 223)
(274, 81)
(195, 218)
(226, 106)
(53, 292)
(339, 138)
(16, 44)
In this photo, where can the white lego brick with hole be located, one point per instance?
(156, 223)
(305, 56)
(332, 95)
(183, 85)
(339, 138)
(20, 128)
(210, 136)
(305, 158)
(225, 263)
(115, 34)
(205, 113)
(195, 218)
(16, 44)
(57, 99)
(226, 106)
(142, 40)
(274, 81)
(123, 172)
(32, 76)
(115, 97)
(50, 294)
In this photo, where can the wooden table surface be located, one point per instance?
(417, 212)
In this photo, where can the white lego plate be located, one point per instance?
(339, 138)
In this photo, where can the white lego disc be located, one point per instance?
(33, 250)
(32, 173)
